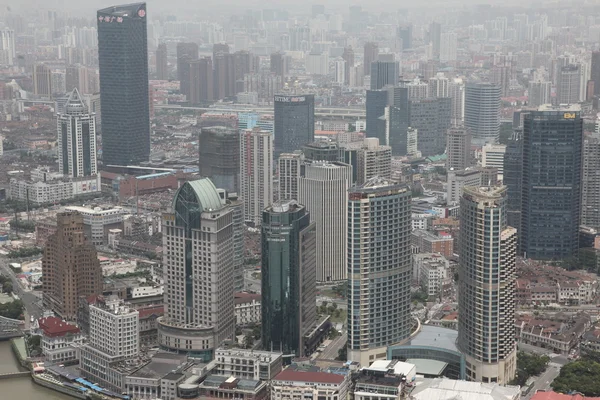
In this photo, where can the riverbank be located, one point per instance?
(50, 383)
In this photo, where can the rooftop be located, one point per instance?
(560, 396)
(315, 377)
(447, 389)
(54, 327)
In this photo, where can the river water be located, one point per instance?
(21, 388)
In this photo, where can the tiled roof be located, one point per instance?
(54, 327)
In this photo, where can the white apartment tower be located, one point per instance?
(256, 174)
(487, 278)
(289, 170)
(7, 47)
(198, 259)
(76, 139)
(379, 268)
(323, 190)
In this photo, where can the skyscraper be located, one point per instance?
(376, 102)
(256, 172)
(595, 71)
(123, 61)
(551, 183)
(278, 65)
(186, 53)
(379, 268)
(76, 139)
(348, 57)
(487, 279)
(289, 170)
(590, 188)
(42, 80)
(432, 117)
(568, 85)
(458, 148)
(513, 173)
(404, 33)
(201, 81)
(294, 122)
(7, 46)
(384, 73)
(162, 66)
(372, 160)
(539, 93)
(324, 191)
(482, 112)
(224, 74)
(199, 278)
(289, 290)
(435, 38)
(220, 157)
(371, 51)
(448, 47)
(70, 267)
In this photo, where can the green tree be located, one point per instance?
(248, 341)
(343, 353)
(580, 376)
(13, 310)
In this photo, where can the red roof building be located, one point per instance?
(559, 396)
(55, 327)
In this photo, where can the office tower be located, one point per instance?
(289, 289)
(76, 139)
(487, 279)
(278, 65)
(595, 71)
(458, 148)
(398, 121)
(339, 74)
(384, 73)
(317, 63)
(348, 57)
(482, 112)
(439, 86)
(568, 85)
(220, 157)
(371, 51)
(457, 180)
(198, 263)
(7, 47)
(289, 171)
(162, 66)
(242, 65)
(539, 93)
(432, 117)
(323, 190)
(42, 80)
(70, 266)
(123, 61)
(513, 169)
(492, 155)
(113, 341)
(321, 150)
(551, 183)
(456, 91)
(435, 38)
(224, 73)
(379, 268)
(294, 122)
(418, 90)
(201, 81)
(404, 33)
(500, 76)
(372, 160)
(186, 53)
(256, 172)
(376, 103)
(448, 47)
(590, 188)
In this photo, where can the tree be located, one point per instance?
(529, 365)
(343, 353)
(7, 287)
(13, 310)
(248, 341)
(580, 376)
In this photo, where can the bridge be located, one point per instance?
(19, 374)
(337, 112)
(10, 328)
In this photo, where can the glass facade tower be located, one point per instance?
(294, 122)
(123, 62)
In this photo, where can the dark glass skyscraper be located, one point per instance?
(551, 183)
(384, 73)
(294, 122)
(288, 277)
(220, 157)
(377, 101)
(513, 173)
(123, 61)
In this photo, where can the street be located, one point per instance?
(30, 300)
(331, 351)
(544, 380)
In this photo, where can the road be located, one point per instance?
(331, 351)
(544, 380)
(33, 303)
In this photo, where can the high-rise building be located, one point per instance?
(458, 148)
(289, 290)
(539, 93)
(323, 190)
(384, 73)
(220, 157)
(70, 267)
(186, 53)
(294, 122)
(199, 271)
(482, 112)
(590, 188)
(457, 180)
(321, 150)
(256, 172)
(398, 121)
(371, 52)
(76, 139)
(279, 65)
(568, 84)
(456, 91)
(123, 61)
(42, 80)
(348, 57)
(435, 38)
(289, 171)
(595, 71)
(242, 65)
(448, 47)
(7, 47)
(162, 65)
(487, 279)
(201, 89)
(492, 155)
(379, 268)
(432, 117)
(551, 182)
(224, 74)
(513, 173)
(376, 103)
(404, 33)
(372, 160)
